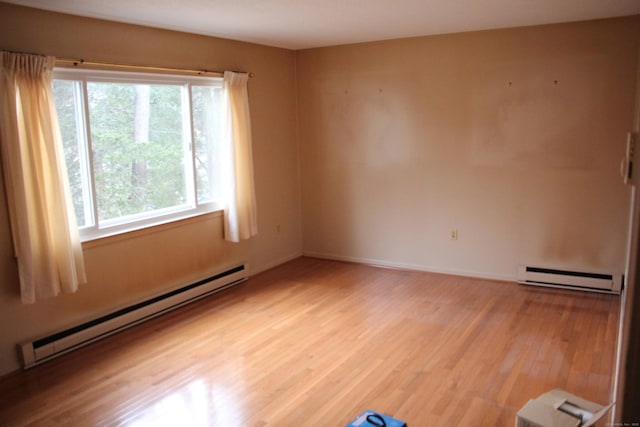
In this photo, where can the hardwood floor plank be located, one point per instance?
(315, 342)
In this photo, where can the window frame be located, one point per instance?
(192, 207)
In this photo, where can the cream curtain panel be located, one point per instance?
(43, 225)
(240, 215)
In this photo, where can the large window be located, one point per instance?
(141, 149)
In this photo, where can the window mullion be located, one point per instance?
(190, 157)
(89, 156)
(81, 141)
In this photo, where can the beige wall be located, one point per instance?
(512, 137)
(123, 270)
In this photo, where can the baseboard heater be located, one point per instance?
(593, 282)
(46, 348)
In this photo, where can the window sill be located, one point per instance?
(134, 232)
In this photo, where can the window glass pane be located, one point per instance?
(138, 147)
(69, 108)
(207, 131)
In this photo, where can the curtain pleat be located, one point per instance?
(43, 224)
(240, 213)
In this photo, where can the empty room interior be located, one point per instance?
(413, 165)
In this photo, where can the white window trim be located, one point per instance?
(157, 217)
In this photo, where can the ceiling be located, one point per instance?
(300, 24)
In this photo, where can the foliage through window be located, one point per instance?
(140, 148)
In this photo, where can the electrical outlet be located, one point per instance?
(454, 234)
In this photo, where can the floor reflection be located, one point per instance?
(196, 404)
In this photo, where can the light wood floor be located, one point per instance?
(313, 343)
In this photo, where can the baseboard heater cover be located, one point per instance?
(46, 348)
(566, 279)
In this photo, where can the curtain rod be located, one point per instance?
(79, 62)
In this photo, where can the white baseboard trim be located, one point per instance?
(408, 266)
